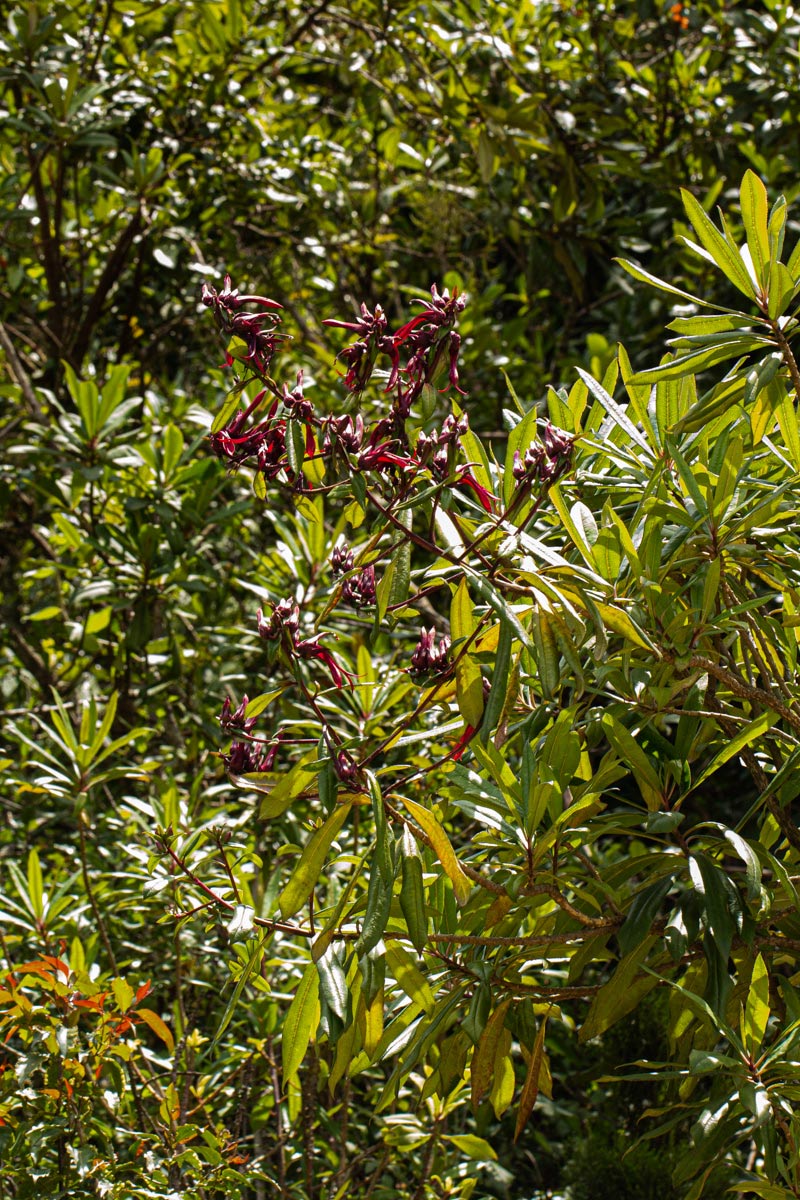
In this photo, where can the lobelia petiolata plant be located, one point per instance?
(496, 699)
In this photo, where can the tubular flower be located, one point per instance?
(237, 719)
(258, 330)
(245, 759)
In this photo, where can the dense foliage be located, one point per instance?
(510, 805)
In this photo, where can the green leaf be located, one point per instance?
(412, 892)
(781, 290)
(308, 870)
(332, 983)
(756, 1010)
(86, 397)
(787, 419)
(621, 994)
(726, 256)
(300, 1023)
(35, 885)
(252, 964)
(300, 778)
(642, 913)
(618, 415)
(500, 680)
(173, 448)
(228, 409)
(645, 277)
(123, 993)
(736, 744)
(469, 681)
(710, 882)
(473, 1146)
(755, 207)
(633, 756)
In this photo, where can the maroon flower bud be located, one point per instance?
(246, 759)
(342, 559)
(428, 658)
(453, 430)
(343, 430)
(360, 591)
(345, 767)
(296, 402)
(238, 719)
(545, 462)
(285, 618)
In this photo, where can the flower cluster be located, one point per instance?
(282, 627)
(246, 759)
(236, 719)
(359, 590)
(258, 330)
(428, 658)
(424, 341)
(547, 461)
(439, 451)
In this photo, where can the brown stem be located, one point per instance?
(19, 373)
(87, 883)
(262, 922)
(788, 356)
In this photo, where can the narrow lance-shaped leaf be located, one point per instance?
(533, 1081)
(755, 207)
(442, 849)
(756, 1010)
(300, 1022)
(483, 1059)
(309, 868)
(725, 255)
(469, 682)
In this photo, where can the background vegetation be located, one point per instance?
(328, 155)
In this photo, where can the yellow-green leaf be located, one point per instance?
(755, 209)
(442, 849)
(409, 976)
(483, 1060)
(309, 868)
(300, 1023)
(302, 775)
(756, 1012)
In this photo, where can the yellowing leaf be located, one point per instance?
(442, 849)
(483, 1059)
(158, 1027)
(409, 976)
(502, 1092)
(530, 1088)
